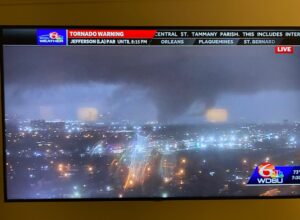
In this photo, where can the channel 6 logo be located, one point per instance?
(267, 170)
(54, 35)
(51, 37)
(268, 174)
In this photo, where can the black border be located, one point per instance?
(283, 28)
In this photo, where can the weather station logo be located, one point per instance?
(267, 174)
(51, 37)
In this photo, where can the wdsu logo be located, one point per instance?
(266, 173)
(51, 37)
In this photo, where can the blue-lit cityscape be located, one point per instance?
(114, 122)
(73, 159)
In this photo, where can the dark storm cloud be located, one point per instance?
(174, 77)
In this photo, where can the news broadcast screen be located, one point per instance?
(110, 113)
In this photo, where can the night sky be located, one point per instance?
(167, 84)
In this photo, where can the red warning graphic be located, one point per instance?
(125, 34)
(284, 49)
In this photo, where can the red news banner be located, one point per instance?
(115, 34)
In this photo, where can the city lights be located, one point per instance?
(131, 122)
(123, 168)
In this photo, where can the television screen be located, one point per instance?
(150, 113)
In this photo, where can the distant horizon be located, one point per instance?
(155, 122)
